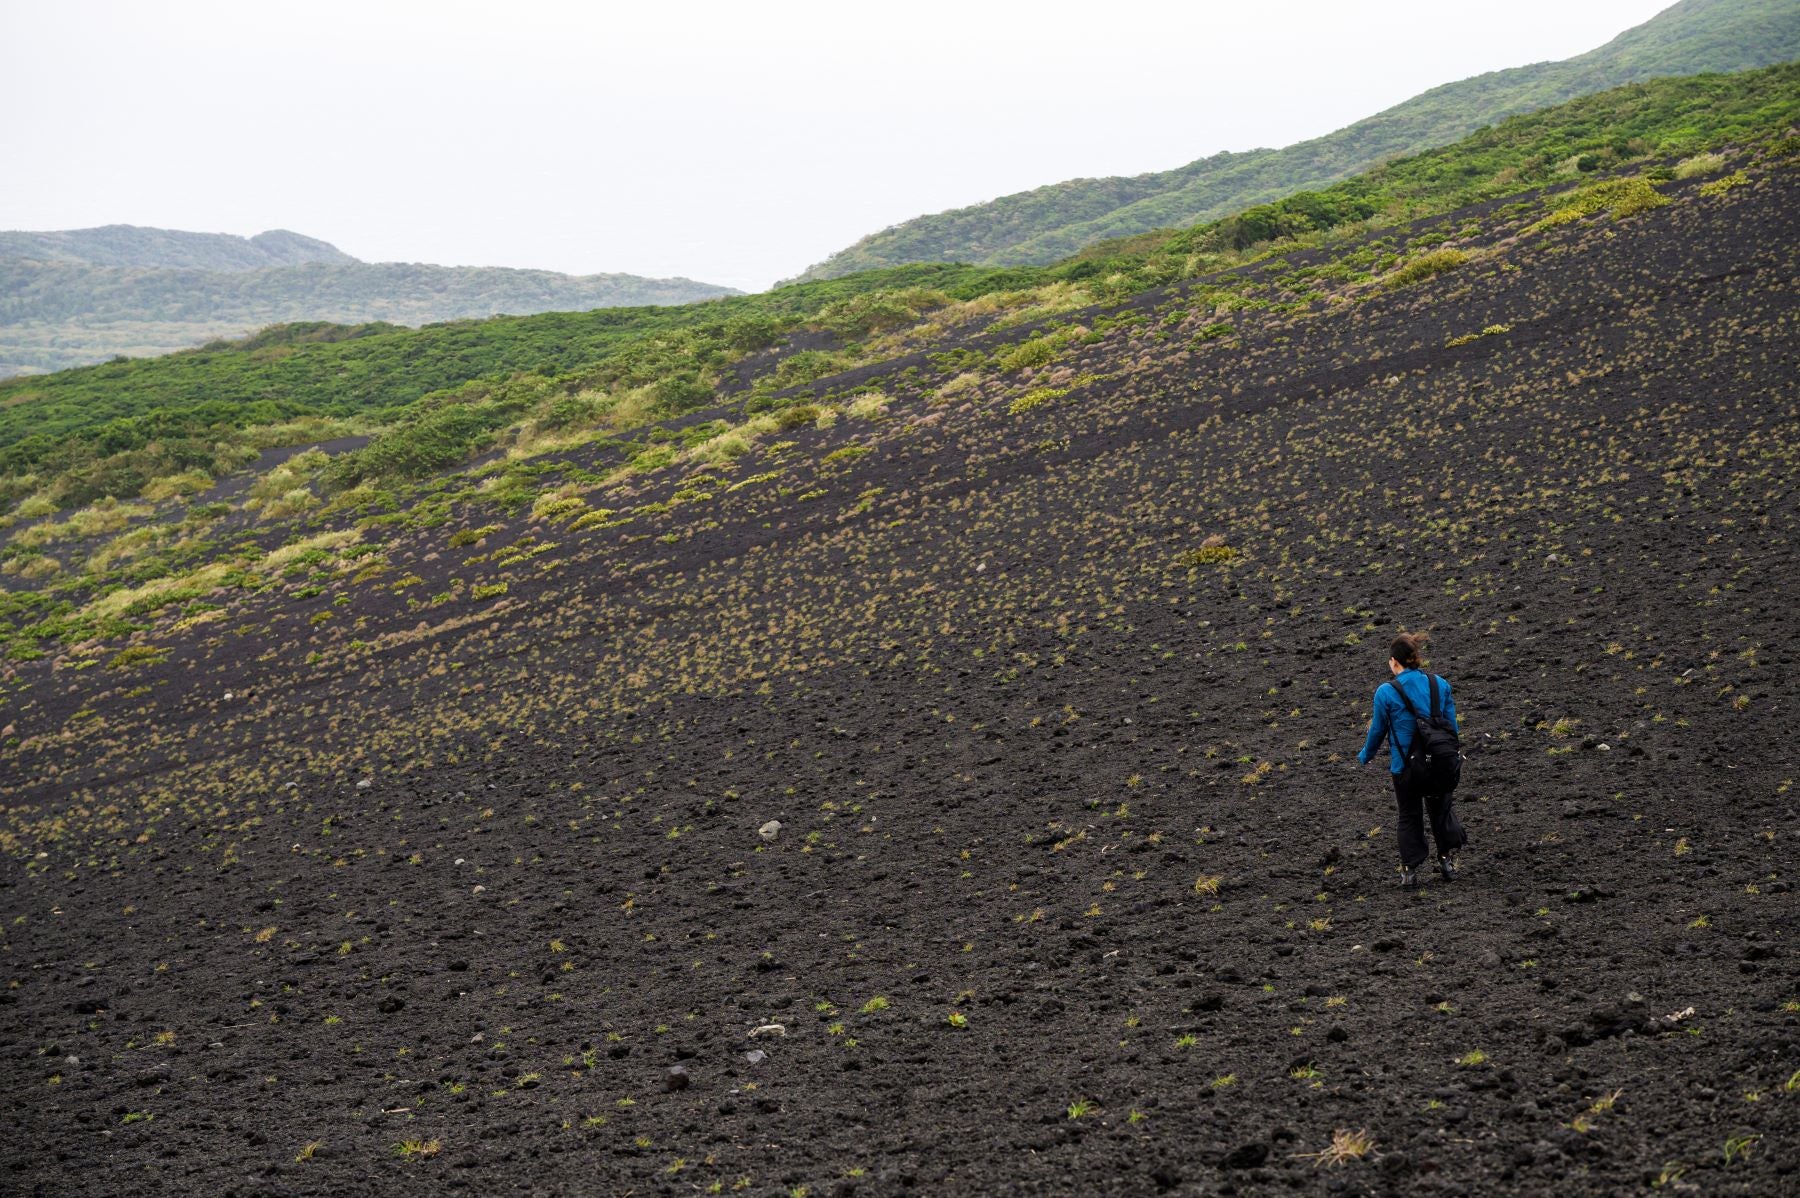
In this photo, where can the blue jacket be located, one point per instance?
(1390, 721)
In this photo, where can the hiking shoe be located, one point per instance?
(1409, 877)
(1447, 868)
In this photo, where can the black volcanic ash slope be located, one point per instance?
(434, 894)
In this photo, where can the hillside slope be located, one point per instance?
(67, 299)
(173, 249)
(424, 843)
(433, 398)
(1051, 222)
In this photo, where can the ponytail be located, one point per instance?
(1406, 649)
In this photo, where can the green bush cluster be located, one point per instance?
(1435, 262)
(1616, 197)
(1723, 184)
(1207, 555)
(1037, 397)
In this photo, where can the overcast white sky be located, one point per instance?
(731, 142)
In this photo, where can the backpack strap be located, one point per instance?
(1431, 685)
(1418, 739)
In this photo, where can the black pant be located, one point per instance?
(1446, 829)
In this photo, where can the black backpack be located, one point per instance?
(1434, 759)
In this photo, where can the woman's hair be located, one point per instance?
(1406, 649)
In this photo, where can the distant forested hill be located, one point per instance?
(133, 245)
(86, 295)
(1051, 222)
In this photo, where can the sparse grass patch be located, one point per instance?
(176, 486)
(1699, 164)
(1584, 1122)
(1491, 330)
(1345, 1146)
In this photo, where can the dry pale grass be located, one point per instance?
(1345, 1146)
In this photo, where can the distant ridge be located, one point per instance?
(81, 296)
(135, 245)
(1049, 223)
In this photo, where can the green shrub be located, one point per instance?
(1207, 555)
(808, 365)
(1617, 197)
(1720, 186)
(879, 311)
(601, 517)
(134, 656)
(1035, 398)
(487, 590)
(1426, 266)
(468, 536)
(557, 509)
(802, 415)
(1036, 352)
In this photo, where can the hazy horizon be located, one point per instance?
(716, 142)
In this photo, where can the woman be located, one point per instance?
(1392, 722)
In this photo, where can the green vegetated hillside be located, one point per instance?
(1048, 223)
(109, 471)
(84, 296)
(176, 249)
(109, 430)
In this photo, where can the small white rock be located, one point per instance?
(770, 830)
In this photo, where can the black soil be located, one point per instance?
(1077, 889)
